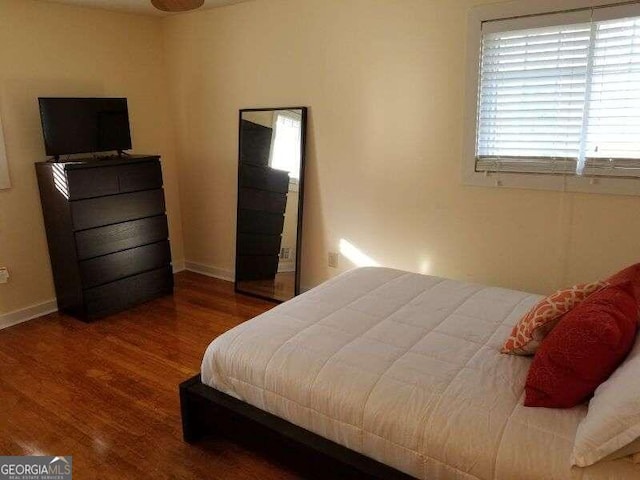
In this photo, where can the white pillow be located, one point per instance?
(613, 418)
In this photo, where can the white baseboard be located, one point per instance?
(45, 308)
(178, 266)
(28, 313)
(286, 266)
(40, 309)
(210, 271)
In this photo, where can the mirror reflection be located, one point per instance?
(269, 202)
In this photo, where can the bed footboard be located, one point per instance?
(191, 410)
(206, 410)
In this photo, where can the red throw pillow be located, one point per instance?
(583, 349)
(629, 274)
(526, 336)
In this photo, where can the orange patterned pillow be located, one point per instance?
(540, 320)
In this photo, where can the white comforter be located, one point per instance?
(404, 368)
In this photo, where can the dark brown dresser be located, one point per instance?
(107, 233)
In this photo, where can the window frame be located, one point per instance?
(538, 181)
(5, 181)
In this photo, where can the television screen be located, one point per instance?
(84, 125)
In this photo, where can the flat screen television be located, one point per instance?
(84, 125)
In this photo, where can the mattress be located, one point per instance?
(406, 369)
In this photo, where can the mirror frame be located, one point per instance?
(298, 256)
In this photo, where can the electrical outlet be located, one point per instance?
(4, 275)
(334, 259)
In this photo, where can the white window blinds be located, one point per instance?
(285, 149)
(564, 98)
(613, 126)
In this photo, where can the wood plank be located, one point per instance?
(281, 288)
(107, 392)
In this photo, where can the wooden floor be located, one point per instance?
(281, 288)
(107, 392)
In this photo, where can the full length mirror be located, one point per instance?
(270, 187)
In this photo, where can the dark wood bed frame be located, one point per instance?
(206, 410)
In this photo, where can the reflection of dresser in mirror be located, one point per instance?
(270, 190)
(262, 203)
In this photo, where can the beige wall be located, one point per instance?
(261, 118)
(54, 50)
(384, 80)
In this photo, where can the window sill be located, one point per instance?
(559, 183)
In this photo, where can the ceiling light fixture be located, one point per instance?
(177, 5)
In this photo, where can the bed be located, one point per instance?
(399, 374)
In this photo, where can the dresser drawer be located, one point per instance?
(96, 212)
(107, 268)
(110, 180)
(140, 176)
(122, 236)
(256, 143)
(251, 199)
(91, 182)
(256, 267)
(122, 294)
(250, 244)
(252, 221)
(264, 178)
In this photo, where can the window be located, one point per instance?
(559, 94)
(285, 150)
(4, 171)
